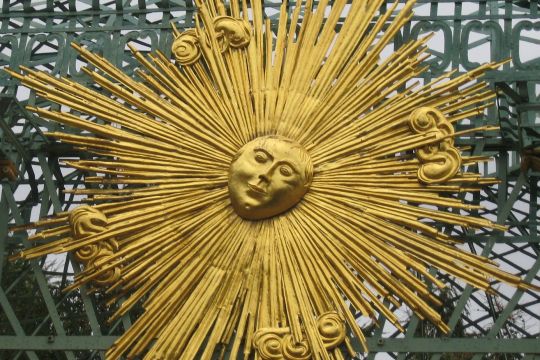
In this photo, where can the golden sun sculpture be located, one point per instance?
(257, 187)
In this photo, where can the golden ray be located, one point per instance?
(367, 155)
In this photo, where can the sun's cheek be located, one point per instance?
(244, 170)
(287, 185)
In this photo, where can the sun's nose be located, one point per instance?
(266, 174)
(264, 178)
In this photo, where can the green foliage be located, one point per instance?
(26, 300)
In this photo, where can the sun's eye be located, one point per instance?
(261, 157)
(285, 170)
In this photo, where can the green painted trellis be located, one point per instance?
(37, 34)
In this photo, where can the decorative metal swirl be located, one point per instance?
(295, 350)
(230, 33)
(278, 343)
(110, 276)
(186, 47)
(440, 161)
(86, 221)
(235, 32)
(268, 342)
(332, 329)
(86, 253)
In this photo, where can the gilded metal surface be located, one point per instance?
(236, 33)
(228, 33)
(164, 167)
(86, 221)
(268, 176)
(185, 47)
(279, 343)
(440, 161)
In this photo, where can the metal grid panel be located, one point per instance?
(37, 34)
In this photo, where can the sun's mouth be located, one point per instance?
(256, 189)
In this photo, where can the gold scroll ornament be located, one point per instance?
(86, 221)
(440, 161)
(230, 33)
(279, 344)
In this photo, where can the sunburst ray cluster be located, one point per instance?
(161, 150)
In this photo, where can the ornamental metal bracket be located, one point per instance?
(279, 343)
(86, 221)
(441, 160)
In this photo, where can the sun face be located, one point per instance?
(268, 176)
(266, 181)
